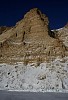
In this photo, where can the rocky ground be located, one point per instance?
(31, 77)
(33, 57)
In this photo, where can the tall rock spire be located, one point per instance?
(36, 26)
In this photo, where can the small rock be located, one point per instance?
(42, 77)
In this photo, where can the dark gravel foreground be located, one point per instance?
(11, 95)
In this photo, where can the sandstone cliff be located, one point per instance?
(3, 29)
(30, 40)
(62, 35)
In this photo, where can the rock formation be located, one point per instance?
(3, 29)
(30, 40)
(62, 35)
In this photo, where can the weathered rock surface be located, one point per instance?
(62, 35)
(47, 77)
(3, 29)
(29, 40)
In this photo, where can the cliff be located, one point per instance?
(30, 40)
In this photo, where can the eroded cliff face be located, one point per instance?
(62, 35)
(4, 29)
(29, 40)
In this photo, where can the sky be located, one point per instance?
(12, 11)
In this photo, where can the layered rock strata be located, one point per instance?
(29, 40)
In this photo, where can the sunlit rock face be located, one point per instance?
(36, 28)
(30, 40)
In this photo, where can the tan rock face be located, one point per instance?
(29, 40)
(3, 29)
(62, 35)
(36, 28)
